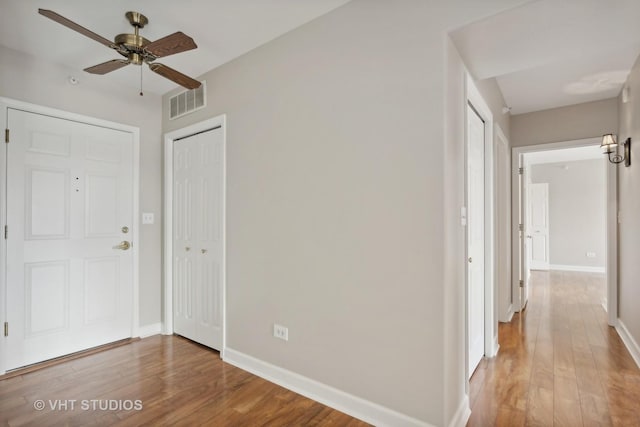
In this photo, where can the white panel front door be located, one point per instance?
(70, 192)
(538, 229)
(475, 237)
(197, 237)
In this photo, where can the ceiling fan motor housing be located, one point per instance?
(134, 45)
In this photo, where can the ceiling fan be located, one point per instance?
(135, 48)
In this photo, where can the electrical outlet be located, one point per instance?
(281, 332)
(591, 254)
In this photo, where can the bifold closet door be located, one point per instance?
(197, 237)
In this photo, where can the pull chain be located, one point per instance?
(140, 79)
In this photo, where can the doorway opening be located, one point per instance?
(563, 215)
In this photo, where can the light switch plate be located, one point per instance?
(148, 218)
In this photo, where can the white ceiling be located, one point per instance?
(222, 29)
(543, 54)
(552, 53)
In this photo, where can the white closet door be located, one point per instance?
(70, 188)
(197, 237)
(475, 236)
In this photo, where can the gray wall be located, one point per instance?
(629, 207)
(581, 121)
(492, 95)
(26, 78)
(335, 203)
(332, 229)
(577, 205)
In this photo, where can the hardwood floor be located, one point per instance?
(176, 381)
(559, 363)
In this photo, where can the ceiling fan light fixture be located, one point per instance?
(135, 48)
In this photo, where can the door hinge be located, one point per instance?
(522, 283)
(520, 171)
(6, 232)
(6, 329)
(6, 136)
(521, 227)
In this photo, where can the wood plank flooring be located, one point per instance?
(176, 381)
(559, 363)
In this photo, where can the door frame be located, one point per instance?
(611, 219)
(169, 138)
(5, 105)
(491, 345)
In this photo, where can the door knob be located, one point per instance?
(124, 245)
(470, 259)
(204, 251)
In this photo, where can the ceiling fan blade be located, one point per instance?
(75, 27)
(175, 76)
(107, 67)
(171, 44)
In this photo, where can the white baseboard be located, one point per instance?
(583, 268)
(629, 342)
(509, 315)
(462, 414)
(357, 407)
(149, 330)
(495, 347)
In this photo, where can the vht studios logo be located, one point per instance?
(88, 405)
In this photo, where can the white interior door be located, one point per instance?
(475, 237)
(198, 205)
(538, 226)
(69, 195)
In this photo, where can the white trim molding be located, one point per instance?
(510, 313)
(495, 348)
(583, 268)
(149, 330)
(462, 415)
(629, 342)
(357, 407)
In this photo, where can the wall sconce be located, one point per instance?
(610, 146)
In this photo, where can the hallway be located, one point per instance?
(559, 363)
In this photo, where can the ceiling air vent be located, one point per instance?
(187, 101)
